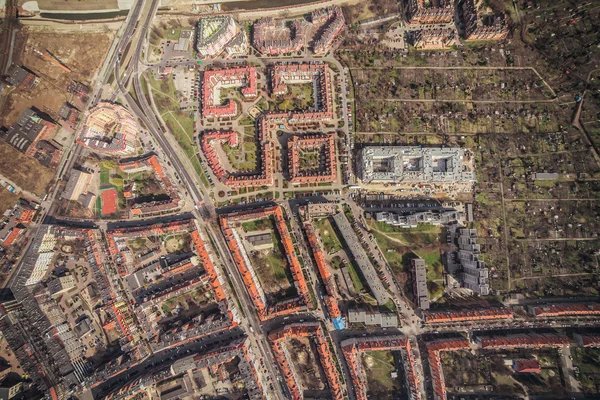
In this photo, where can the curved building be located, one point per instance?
(109, 128)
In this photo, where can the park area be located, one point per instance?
(380, 368)
(180, 123)
(178, 243)
(242, 158)
(399, 246)
(187, 302)
(587, 369)
(491, 371)
(329, 238)
(299, 97)
(270, 264)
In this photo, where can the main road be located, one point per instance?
(72, 149)
(143, 110)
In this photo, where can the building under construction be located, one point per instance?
(487, 27)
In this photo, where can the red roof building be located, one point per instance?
(314, 331)
(560, 310)
(435, 364)
(12, 237)
(264, 309)
(444, 316)
(325, 171)
(527, 366)
(244, 77)
(353, 348)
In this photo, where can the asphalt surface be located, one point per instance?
(143, 110)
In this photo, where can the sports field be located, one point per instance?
(109, 202)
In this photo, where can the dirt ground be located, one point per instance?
(82, 52)
(7, 200)
(75, 5)
(177, 243)
(305, 363)
(25, 171)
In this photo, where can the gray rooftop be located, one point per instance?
(360, 257)
(413, 164)
(22, 133)
(385, 320)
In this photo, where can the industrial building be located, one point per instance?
(21, 78)
(372, 318)
(395, 164)
(76, 185)
(25, 131)
(183, 44)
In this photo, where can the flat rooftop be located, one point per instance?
(414, 164)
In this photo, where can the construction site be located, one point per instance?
(110, 129)
(238, 240)
(57, 59)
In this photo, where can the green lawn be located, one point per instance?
(392, 251)
(413, 244)
(144, 85)
(299, 97)
(336, 262)
(104, 176)
(180, 123)
(278, 264)
(327, 234)
(588, 361)
(258, 225)
(379, 366)
(249, 162)
(356, 281)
